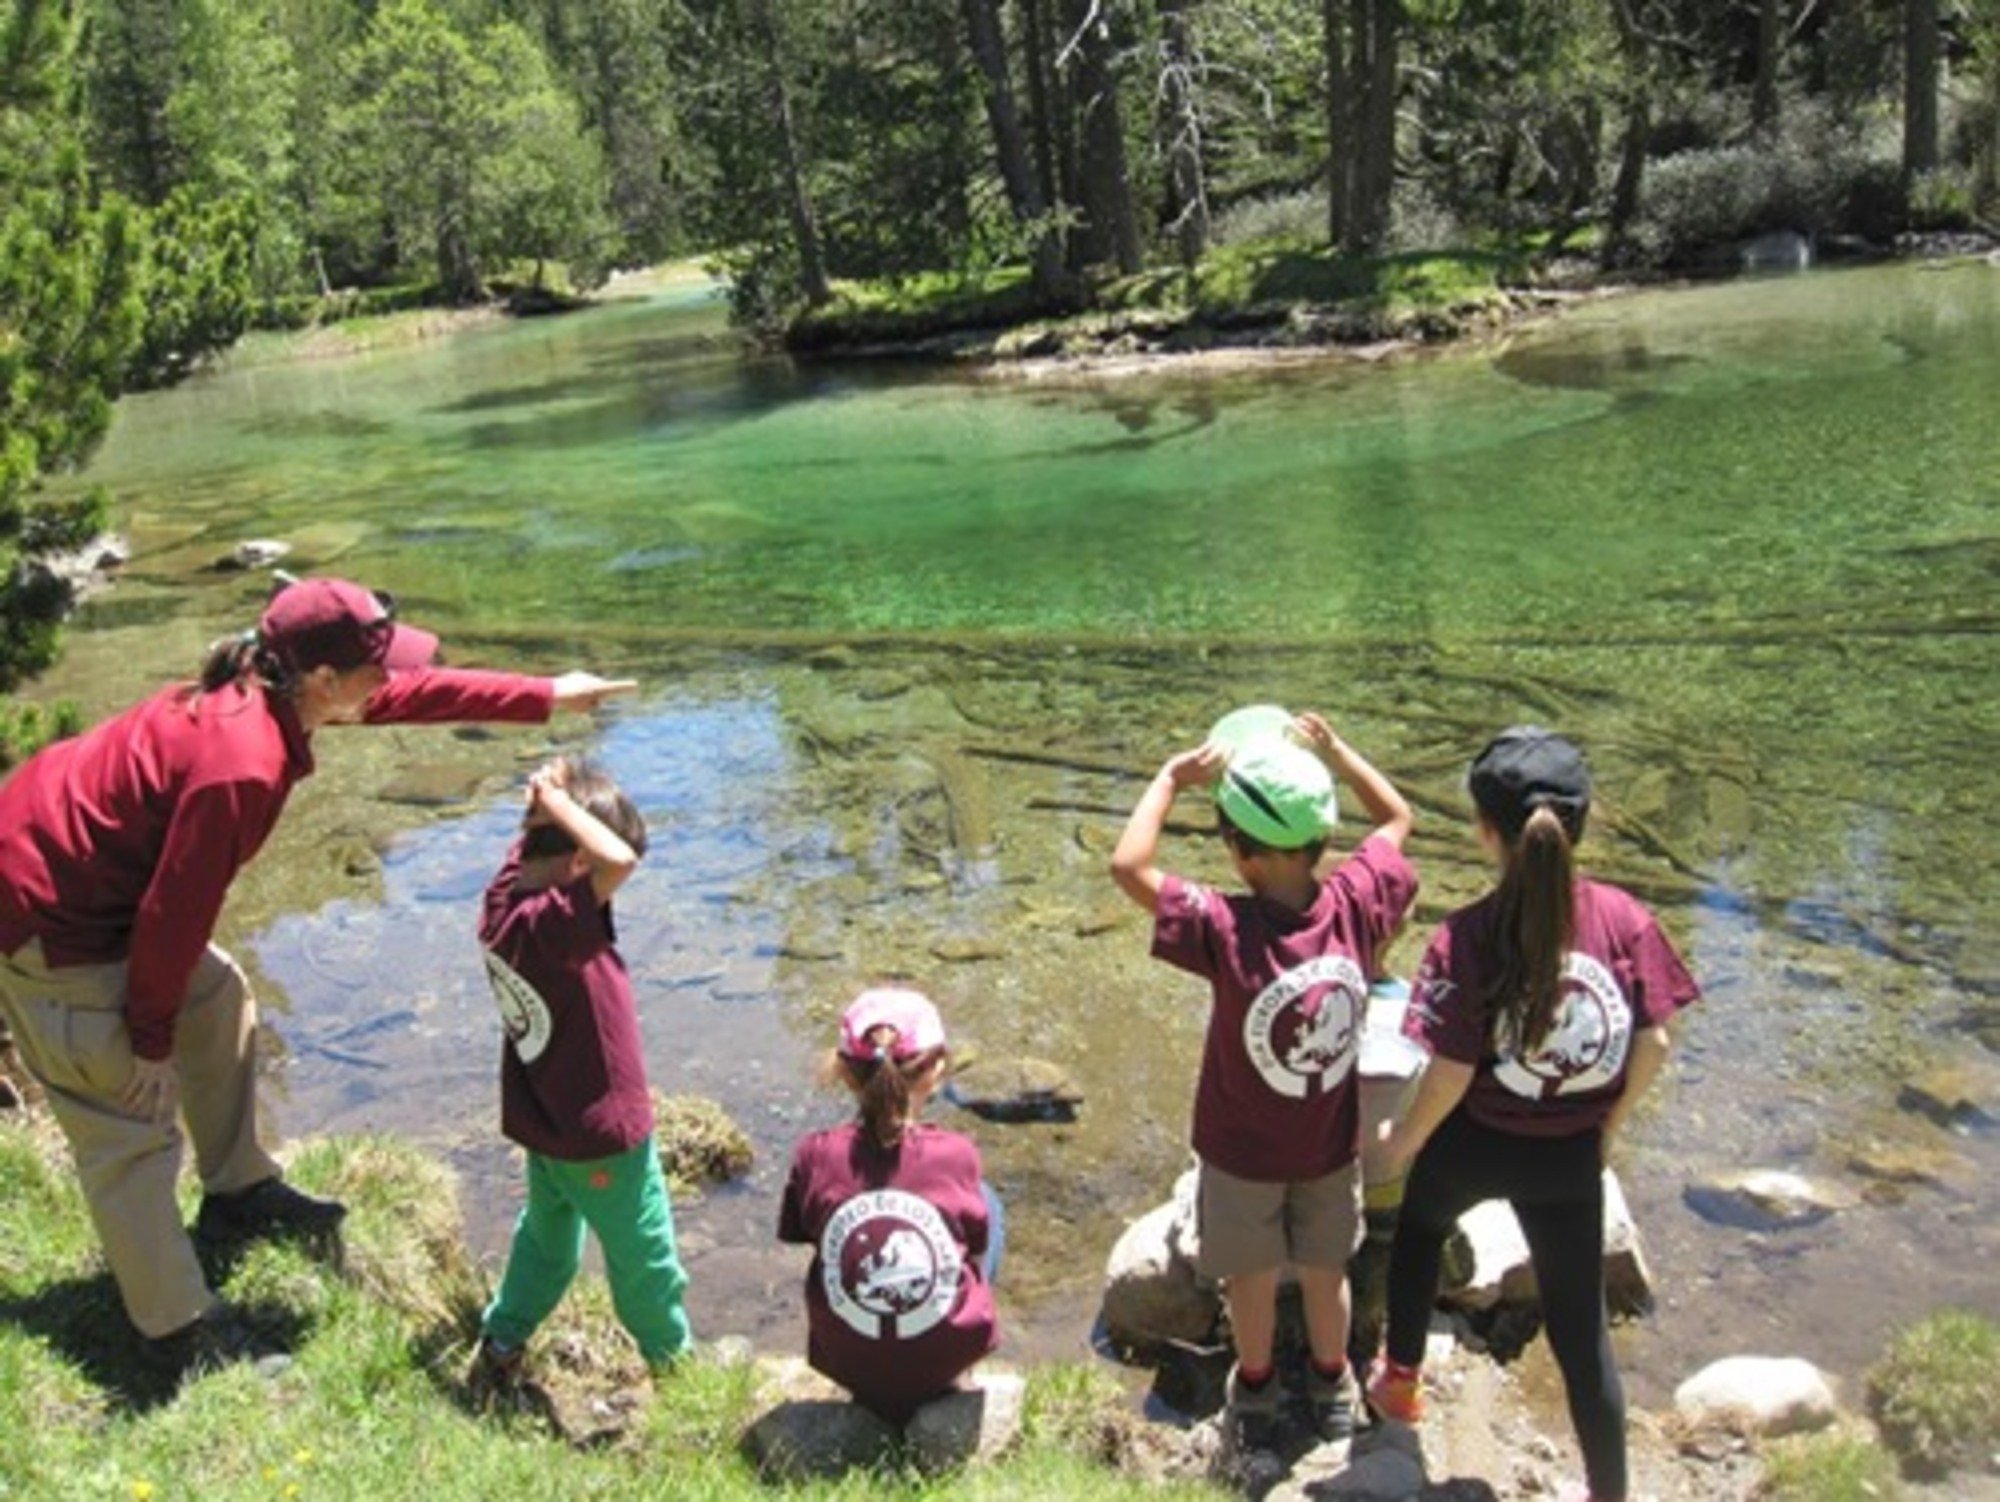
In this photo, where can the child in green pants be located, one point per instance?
(573, 1077)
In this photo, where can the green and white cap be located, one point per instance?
(1272, 788)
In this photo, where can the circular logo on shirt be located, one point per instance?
(1300, 1031)
(889, 1265)
(1586, 1045)
(522, 1011)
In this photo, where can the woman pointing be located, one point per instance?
(117, 849)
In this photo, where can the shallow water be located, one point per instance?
(912, 643)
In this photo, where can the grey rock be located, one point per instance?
(972, 1427)
(802, 1438)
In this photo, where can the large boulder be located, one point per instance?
(1153, 1295)
(812, 1429)
(1768, 1395)
(1498, 1269)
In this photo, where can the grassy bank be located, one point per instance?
(373, 1405)
(1273, 292)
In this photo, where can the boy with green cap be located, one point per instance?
(1276, 1112)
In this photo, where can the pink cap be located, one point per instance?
(916, 1022)
(329, 622)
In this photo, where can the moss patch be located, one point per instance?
(1936, 1392)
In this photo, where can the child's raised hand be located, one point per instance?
(1315, 732)
(552, 777)
(1195, 768)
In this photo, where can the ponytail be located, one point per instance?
(883, 1085)
(233, 658)
(1537, 922)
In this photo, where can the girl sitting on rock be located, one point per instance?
(905, 1233)
(1544, 1007)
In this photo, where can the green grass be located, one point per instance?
(1830, 1467)
(1935, 1393)
(373, 1405)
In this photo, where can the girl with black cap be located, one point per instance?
(1544, 1006)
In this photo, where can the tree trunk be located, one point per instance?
(1638, 128)
(798, 202)
(1024, 196)
(1339, 140)
(1920, 86)
(1373, 67)
(1041, 100)
(1764, 93)
(1111, 221)
(1181, 126)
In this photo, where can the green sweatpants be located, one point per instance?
(622, 1199)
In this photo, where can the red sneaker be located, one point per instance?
(1395, 1392)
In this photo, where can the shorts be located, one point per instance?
(1250, 1227)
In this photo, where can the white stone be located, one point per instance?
(1153, 1295)
(1769, 1395)
(1502, 1272)
(972, 1427)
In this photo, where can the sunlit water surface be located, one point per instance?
(911, 644)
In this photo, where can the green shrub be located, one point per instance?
(1935, 1394)
(1293, 217)
(1814, 177)
(1941, 200)
(1830, 1467)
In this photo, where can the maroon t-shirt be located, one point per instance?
(572, 1071)
(1277, 1101)
(1621, 975)
(120, 844)
(897, 1306)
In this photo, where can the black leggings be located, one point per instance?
(1556, 1187)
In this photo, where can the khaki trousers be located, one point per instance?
(69, 1028)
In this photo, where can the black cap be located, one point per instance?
(1524, 768)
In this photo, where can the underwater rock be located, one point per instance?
(967, 951)
(253, 553)
(1900, 1162)
(1768, 1395)
(1766, 1199)
(1957, 1094)
(1015, 1090)
(434, 784)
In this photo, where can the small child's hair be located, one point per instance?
(882, 1084)
(1249, 846)
(594, 790)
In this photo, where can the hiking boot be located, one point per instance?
(497, 1372)
(217, 1339)
(268, 1208)
(1395, 1392)
(1332, 1402)
(1253, 1412)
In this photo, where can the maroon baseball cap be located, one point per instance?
(332, 623)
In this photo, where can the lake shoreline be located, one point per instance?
(1102, 346)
